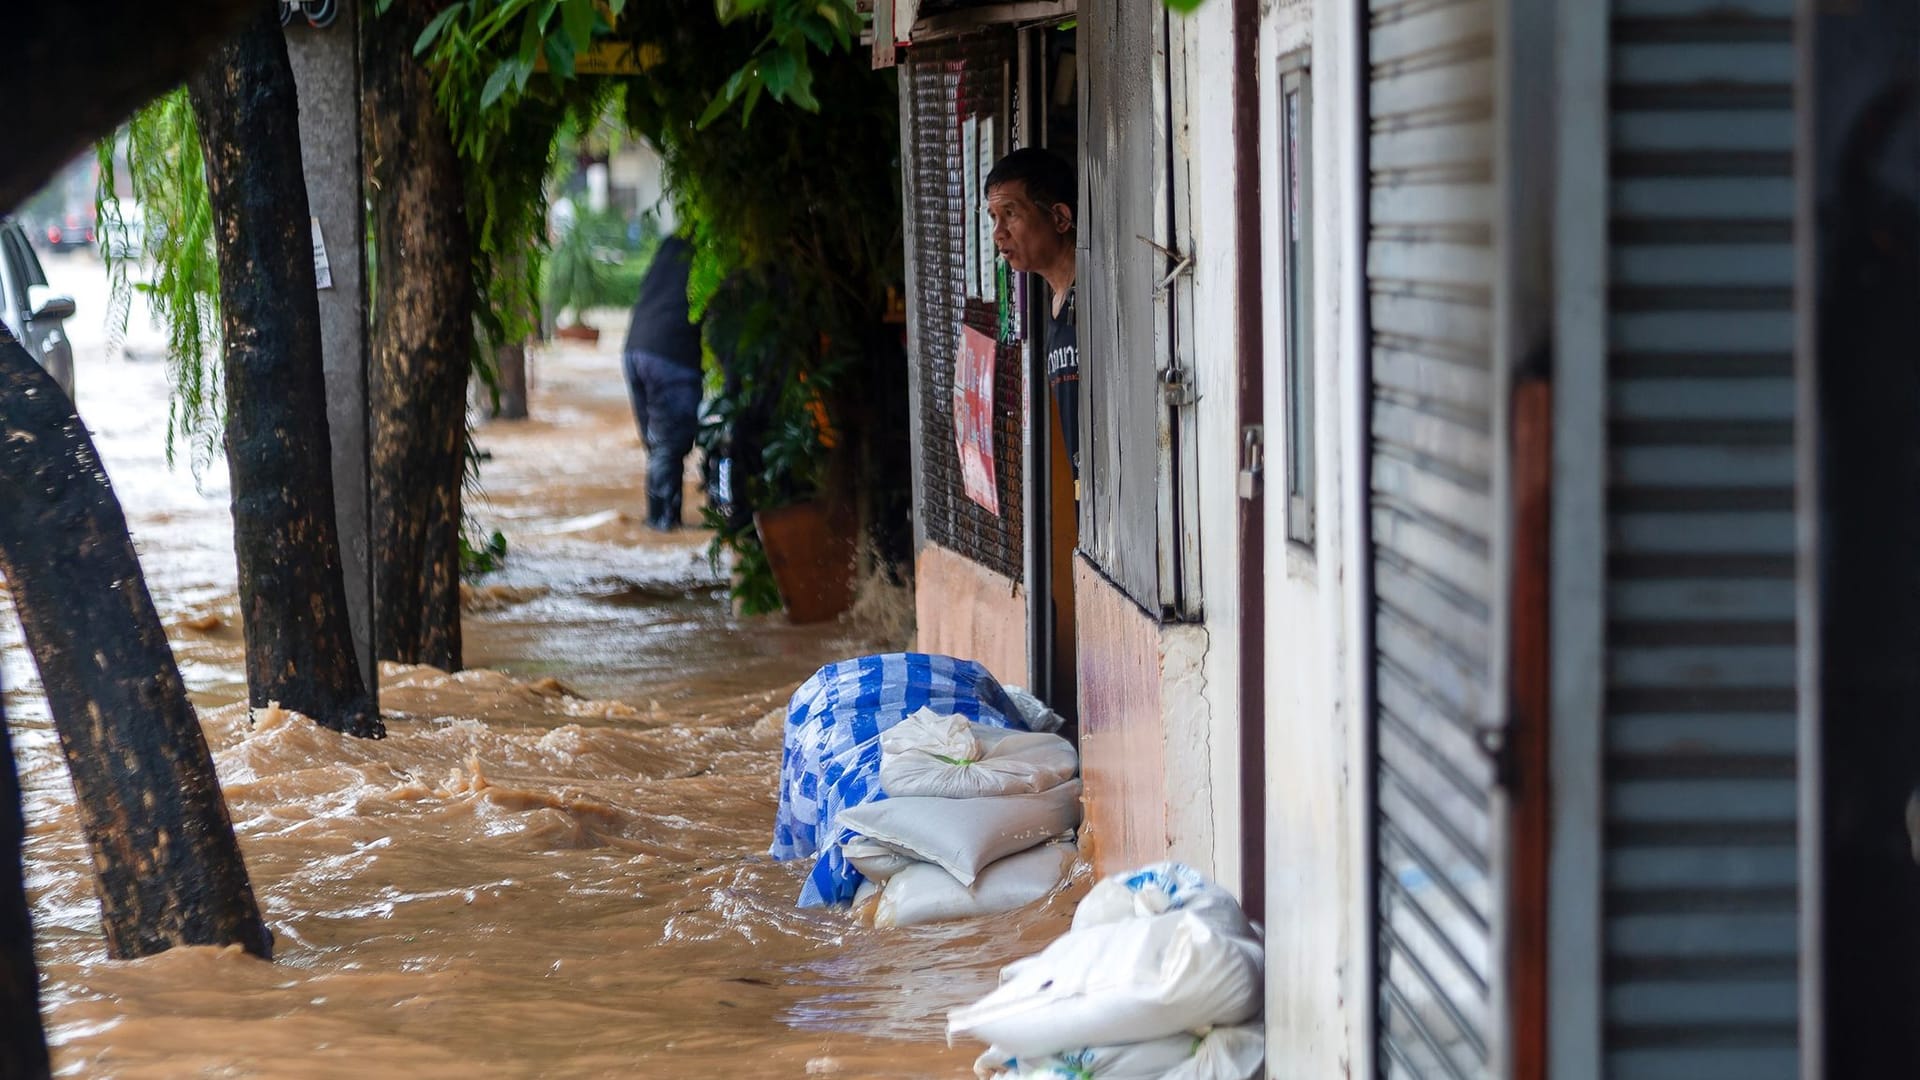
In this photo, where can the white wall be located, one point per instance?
(638, 166)
(1201, 665)
(1317, 991)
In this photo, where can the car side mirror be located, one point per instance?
(56, 307)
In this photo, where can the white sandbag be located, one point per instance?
(1128, 981)
(924, 893)
(1034, 712)
(963, 835)
(1227, 1053)
(1157, 889)
(876, 861)
(947, 757)
(933, 733)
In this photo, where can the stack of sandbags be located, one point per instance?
(977, 820)
(1158, 979)
(830, 754)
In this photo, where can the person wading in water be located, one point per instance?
(662, 366)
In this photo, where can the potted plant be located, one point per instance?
(794, 543)
(581, 273)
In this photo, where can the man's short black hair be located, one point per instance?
(1047, 176)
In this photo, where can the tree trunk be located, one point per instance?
(293, 596)
(86, 67)
(422, 345)
(23, 1042)
(512, 361)
(167, 868)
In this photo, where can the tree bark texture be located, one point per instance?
(422, 344)
(293, 596)
(167, 868)
(75, 71)
(23, 1042)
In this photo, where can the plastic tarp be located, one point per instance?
(830, 760)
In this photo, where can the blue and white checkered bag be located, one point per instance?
(831, 758)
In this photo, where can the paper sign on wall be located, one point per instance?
(322, 271)
(971, 202)
(986, 154)
(973, 417)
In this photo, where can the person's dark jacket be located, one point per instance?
(659, 325)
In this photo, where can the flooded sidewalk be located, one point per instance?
(554, 866)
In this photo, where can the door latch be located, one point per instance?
(1252, 462)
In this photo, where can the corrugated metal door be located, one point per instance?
(1699, 852)
(1435, 514)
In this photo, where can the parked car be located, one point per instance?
(72, 231)
(40, 326)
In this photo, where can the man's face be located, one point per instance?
(1031, 236)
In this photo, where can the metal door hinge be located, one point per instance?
(1252, 461)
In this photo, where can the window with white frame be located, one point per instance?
(1294, 113)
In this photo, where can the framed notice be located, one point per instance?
(973, 417)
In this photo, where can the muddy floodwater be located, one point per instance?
(554, 866)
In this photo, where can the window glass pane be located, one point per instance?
(1296, 301)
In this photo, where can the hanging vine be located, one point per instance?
(167, 177)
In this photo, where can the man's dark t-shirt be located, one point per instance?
(660, 325)
(1063, 374)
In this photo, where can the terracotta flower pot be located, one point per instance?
(578, 332)
(811, 552)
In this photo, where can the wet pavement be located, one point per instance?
(555, 865)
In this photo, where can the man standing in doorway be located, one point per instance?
(1032, 199)
(662, 364)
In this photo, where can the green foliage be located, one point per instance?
(780, 63)
(596, 265)
(480, 554)
(753, 588)
(168, 178)
(795, 224)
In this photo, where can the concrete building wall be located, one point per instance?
(1201, 664)
(964, 609)
(1123, 749)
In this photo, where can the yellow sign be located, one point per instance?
(610, 56)
(615, 58)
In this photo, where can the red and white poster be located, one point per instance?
(973, 416)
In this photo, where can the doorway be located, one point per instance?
(1051, 118)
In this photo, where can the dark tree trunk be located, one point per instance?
(293, 597)
(167, 868)
(23, 1042)
(84, 67)
(422, 345)
(513, 382)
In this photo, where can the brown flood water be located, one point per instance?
(555, 865)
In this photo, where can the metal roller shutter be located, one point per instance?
(1436, 390)
(1701, 889)
(944, 83)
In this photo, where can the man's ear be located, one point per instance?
(1062, 217)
